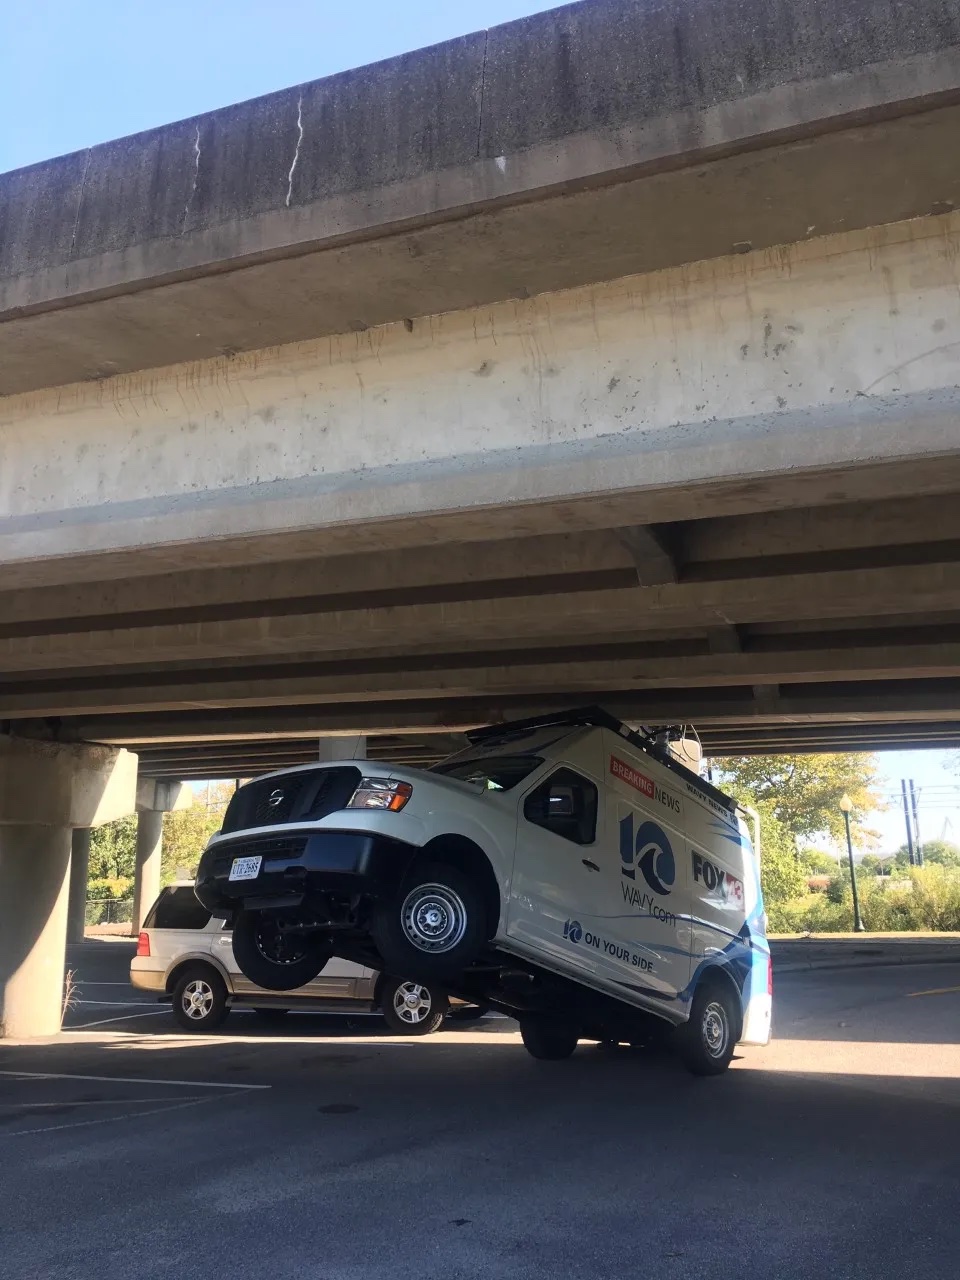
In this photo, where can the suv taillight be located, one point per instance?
(769, 975)
(143, 943)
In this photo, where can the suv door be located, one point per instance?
(555, 894)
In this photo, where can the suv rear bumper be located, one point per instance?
(301, 863)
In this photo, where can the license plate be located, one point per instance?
(245, 868)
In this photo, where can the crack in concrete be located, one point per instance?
(296, 154)
(83, 184)
(196, 176)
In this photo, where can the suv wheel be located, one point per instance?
(276, 958)
(707, 1040)
(549, 1041)
(435, 926)
(200, 999)
(410, 1008)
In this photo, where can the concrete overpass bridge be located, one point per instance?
(607, 356)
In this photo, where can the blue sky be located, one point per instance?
(77, 72)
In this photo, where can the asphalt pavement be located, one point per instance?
(327, 1150)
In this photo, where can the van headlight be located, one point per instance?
(380, 793)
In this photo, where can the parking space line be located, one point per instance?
(116, 1004)
(935, 991)
(190, 1084)
(127, 1017)
(86, 1124)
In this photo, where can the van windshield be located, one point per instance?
(493, 773)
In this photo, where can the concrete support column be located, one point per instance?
(146, 885)
(47, 789)
(34, 891)
(79, 868)
(154, 799)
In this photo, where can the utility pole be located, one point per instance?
(914, 796)
(906, 815)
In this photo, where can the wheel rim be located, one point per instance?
(197, 999)
(412, 1003)
(434, 918)
(715, 1029)
(279, 946)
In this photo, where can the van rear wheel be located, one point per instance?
(707, 1040)
(548, 1041)
(274, 957)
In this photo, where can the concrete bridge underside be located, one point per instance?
(609, 356)
(725, 494)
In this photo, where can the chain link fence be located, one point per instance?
(109, 911)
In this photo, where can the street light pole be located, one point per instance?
(846, 804)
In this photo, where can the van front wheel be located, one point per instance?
(435, 926)
(707, 1040)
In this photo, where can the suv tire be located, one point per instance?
(548, 1041)
(200, 998)
(412, 1009)
(435, 926)
(273, 961)
(707, 1040)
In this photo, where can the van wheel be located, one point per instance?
(274, 958)
(200, 999)
(435, 926)
(411, 1009)
(707, 1040)
(548, 1041)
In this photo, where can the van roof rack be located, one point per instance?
(645, 739)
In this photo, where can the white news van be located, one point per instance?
(567, 870)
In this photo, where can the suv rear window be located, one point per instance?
(493, 773)
(177, 908)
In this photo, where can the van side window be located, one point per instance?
(566, 804)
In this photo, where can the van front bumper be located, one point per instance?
(300, 864)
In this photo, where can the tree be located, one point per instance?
(939, 852)
(113, 850)
(186, 831)
(805, 790)
(817, 862)
(782, 875)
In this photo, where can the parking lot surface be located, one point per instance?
(327, 1150)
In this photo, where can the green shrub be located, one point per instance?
(930, 901)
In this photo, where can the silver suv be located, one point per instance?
(186, 955)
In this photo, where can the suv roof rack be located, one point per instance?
(593, 716)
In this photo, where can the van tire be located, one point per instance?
(548, 1041)
(706, 1041)
(200, 999)
(404, 1019)
(434, 926)
(255, 936)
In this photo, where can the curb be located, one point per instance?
(876, 962)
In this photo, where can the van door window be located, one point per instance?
(566, 804)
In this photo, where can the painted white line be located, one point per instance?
(85, 1124)
(117, 1004)
(96, 1102)
(190, 1084)
(151, 1013)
